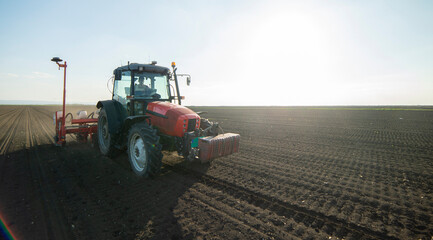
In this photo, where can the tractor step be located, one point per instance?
(218, 146)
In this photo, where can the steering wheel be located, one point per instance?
(156, 96)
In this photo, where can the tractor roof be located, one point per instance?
(143, 67)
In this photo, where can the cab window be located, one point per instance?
(122, 88)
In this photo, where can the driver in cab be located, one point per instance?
(141, 89)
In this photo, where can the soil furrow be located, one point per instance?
(5, 145)
(338, 160)
(10, 133)
(228, 216)
(284, 208)
(54, 218)
(294, 145)
(10, 115)
(311, 180)
(6, 113)
(47, 133)
(315, 190)
(268, 223)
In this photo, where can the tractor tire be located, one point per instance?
(105, 139)
(144, 150)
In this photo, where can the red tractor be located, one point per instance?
(142, 119)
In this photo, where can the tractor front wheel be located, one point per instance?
(144, 150)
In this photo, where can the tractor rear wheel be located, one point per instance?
(105, 139)
(144, 150)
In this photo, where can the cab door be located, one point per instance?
(122, 89)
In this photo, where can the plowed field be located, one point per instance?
(301, 173)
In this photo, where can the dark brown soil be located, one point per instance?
(300, 174)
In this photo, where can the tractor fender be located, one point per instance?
(131, 120)
(127, 125)
(116, 115)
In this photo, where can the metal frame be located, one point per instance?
(83, 127)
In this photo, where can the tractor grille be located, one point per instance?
(191, 124)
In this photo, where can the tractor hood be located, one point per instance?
(164, 107)
(172, 119)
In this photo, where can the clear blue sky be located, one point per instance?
(238, 52)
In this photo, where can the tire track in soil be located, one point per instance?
(282, 175)
(54, 219)
(395, 128)
(329, 224)
(338, 191)
(10, 133)
(376, 197)
(7, 135)
(205, 204)
(373, 168)
(324, 144)
(278, 156)
(49, 134)
(76, 192)
(7, 115)
(227, 205)
(44, 112)
(82, 193)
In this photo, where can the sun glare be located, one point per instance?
(288, 47)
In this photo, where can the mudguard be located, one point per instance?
(128, 122)
(116, 115)
(131, 120)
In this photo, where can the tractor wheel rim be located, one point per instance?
(105, 129)
(104, 132)
(138, 153)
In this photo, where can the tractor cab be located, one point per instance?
(135, 85)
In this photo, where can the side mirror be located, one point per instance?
(188, 78)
